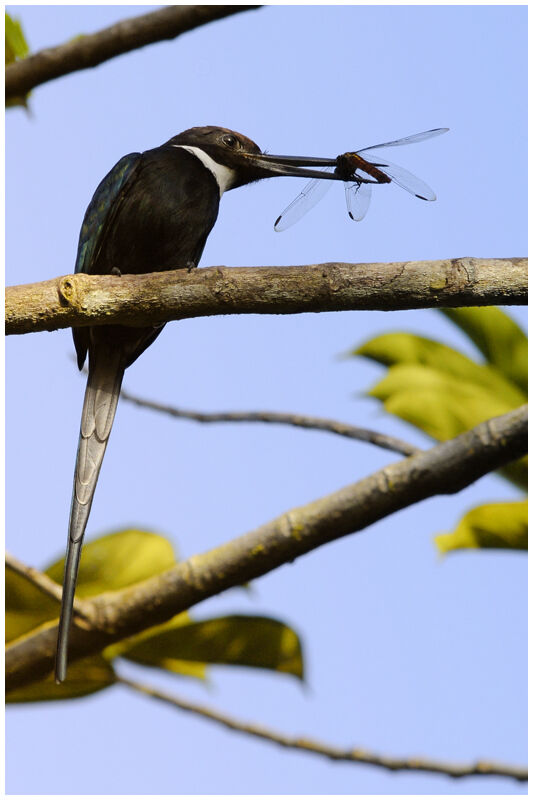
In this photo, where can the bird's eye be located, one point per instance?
(230, 140)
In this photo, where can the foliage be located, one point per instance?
(16, 48)
(181, 646)
(16, 44)
(495, 525)
(444, 393)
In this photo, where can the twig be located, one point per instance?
(297, 420)
(91, 50)
(47, 586)
(39, 579)
(152, 298)
(444, 469)
(355, 755)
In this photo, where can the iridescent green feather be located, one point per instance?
(102, 209)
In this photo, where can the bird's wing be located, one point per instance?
(103, 208)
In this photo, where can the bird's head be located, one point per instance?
(242, 158)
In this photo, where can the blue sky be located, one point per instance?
(406, 653)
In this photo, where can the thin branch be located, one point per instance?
(297, 420)
(444, 469)
(354, 755)
(93, 49)
(47, 586)
(151, 298)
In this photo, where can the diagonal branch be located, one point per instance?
(279, 418)
(444, 469)
(91, 50)
(354, 755)
(151, 298)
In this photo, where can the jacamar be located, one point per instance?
(152, 212)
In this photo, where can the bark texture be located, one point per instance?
(80, 300)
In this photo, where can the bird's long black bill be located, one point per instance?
(295, 166)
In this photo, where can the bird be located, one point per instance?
(152, 212)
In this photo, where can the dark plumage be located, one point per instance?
(152, 212)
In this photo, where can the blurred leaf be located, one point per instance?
(16, 47)
(440, 404)
(393, 349)
(86, 676)
(498, 338)
(442, 391)
(16, 44)
(124, 646)
(118, 560)
(26, 606)
(247, 641)
(111, 562)
(495, 525)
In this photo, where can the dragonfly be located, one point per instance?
(360, 170)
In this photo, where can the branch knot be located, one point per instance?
(67, 291)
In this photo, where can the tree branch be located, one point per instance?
(48, 587)
(354, 755)
(91, 50)
(279, 418)
(81, 300)
(45, 584)
(444, 469)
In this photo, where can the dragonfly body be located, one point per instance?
(349, 163)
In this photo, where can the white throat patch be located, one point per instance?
(224, 176)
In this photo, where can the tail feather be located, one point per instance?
(106, 370)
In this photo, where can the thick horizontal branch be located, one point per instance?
(355, 755)
(80, 300)
(280, 418)
(91, 50)
(444, 469)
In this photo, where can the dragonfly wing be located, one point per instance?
(416, 137)
(404, 178)
(358, 197)
(310, 195)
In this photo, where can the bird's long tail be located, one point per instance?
(106, 370)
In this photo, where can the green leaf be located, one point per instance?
(441, 404)
(26, 606)
(442, 391)
(118, 560)
(16, 44)
(16, 47)
(125, 646)
(392, 349)
(495, 525)
(86, 676)
(247, 641)
(111, 562)
(498, 338)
